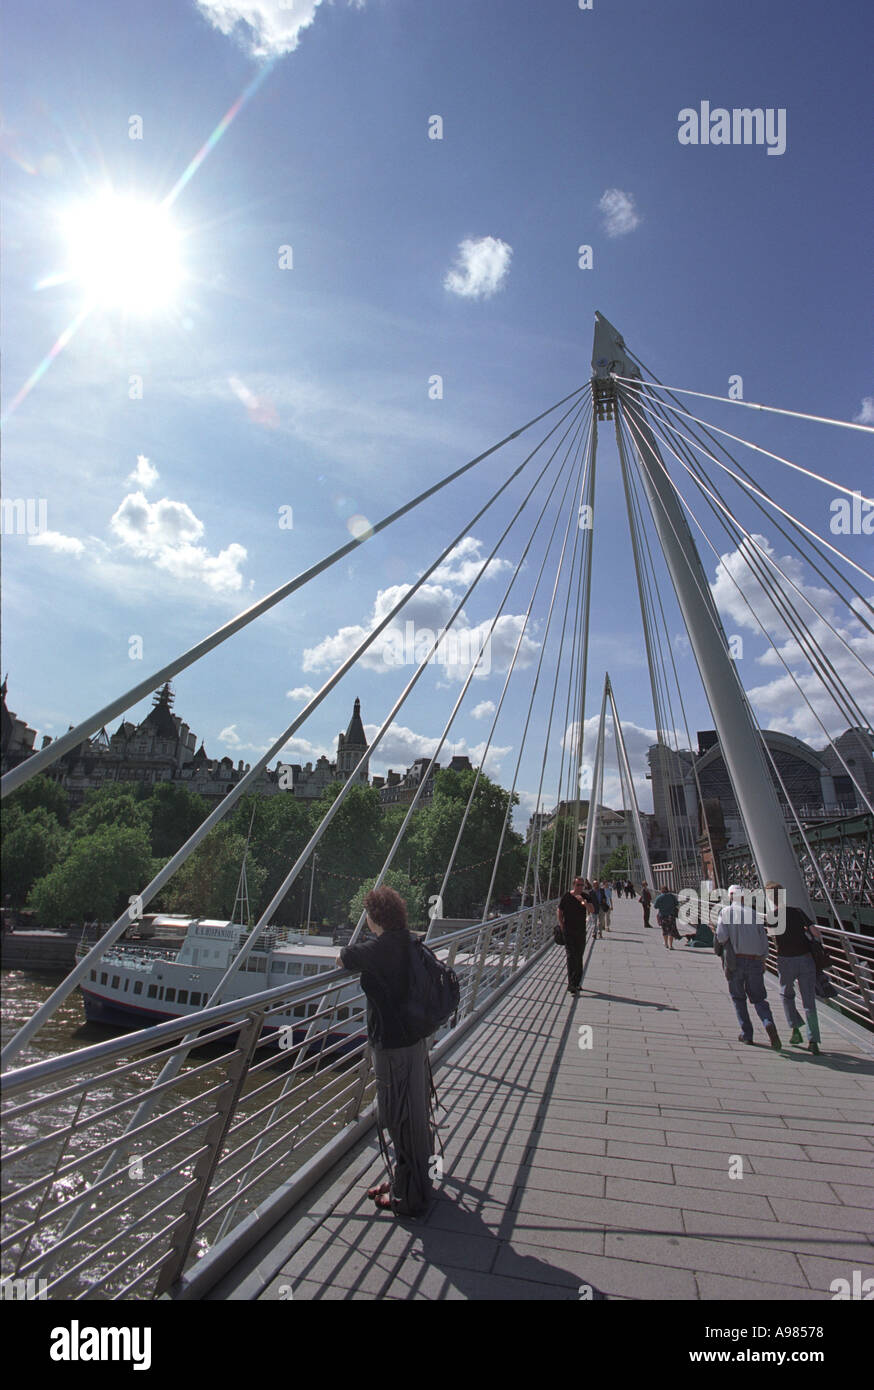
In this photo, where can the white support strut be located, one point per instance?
(739, 739)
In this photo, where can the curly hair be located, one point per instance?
(387, 908)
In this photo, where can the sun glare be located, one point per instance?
(124, 252)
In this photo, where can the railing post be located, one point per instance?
(856, 967)
(486, 936)
(206, 1164)
(354, 1108)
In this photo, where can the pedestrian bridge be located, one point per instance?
(621, 1144)
(603, 1171)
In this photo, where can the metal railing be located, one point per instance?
(850, 970)
(850, 966)
(119, 1185)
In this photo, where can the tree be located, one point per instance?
(617, 862)
(206, 884)
(33, 842)
(348, 852)
(411, 894)
(433, 833)
(176, 812)
(280, 830)
(559, 855)
(40, 791)
(96, 877)
(115, 803)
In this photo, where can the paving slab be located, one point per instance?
(607, 1169)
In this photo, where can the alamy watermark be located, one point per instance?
(851, 516)
(702, 905)
(741, 125)
(24, 516)
(412, 646)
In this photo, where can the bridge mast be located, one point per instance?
(739, 739)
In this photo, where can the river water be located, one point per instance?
(68, 1031)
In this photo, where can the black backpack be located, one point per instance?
(433, 992)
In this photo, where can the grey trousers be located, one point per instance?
(802, 969)
(402, 1104)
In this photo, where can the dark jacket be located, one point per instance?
(384, 965)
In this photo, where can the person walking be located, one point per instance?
(607, 889)
(629, 889)
(740, 926)
(667, 906)
(795, 962)
(646, 899)
(400, 1064)
(599, 901)
(573, 911)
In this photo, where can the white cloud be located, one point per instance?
(165, 532)
(483, 709)
(401, 746)
(480, 269)
(145, 473)
(229, 737)
(300, 692)
(866, 413)
(465, 562)
(54, 540)
(304, 751)
(777, 703)
(272, 27)
(619, 212)
(407, 640)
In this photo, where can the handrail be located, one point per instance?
(234, 1131)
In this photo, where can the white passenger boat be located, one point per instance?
(135, 986)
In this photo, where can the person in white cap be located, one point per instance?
(745, 930)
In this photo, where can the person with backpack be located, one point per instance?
(400, 1061)
(667, 906)
(797, 947)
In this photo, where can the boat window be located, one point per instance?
(183, 996)
(342, 1014)
(126, 985)
(138, 986)
(103, 977)
(115, 982)
(300, 1011)
(94, 974)
(311, 970)
(153, 991)
(170, 996)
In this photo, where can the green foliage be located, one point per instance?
(411, 895)
(95, 878)
(559, 856)
(176, 812)
(40, 792)
(115, 804)
(616, 862)
(280, 831)
(206, 884)
(348, 851)
(33, 842)
(433, 833)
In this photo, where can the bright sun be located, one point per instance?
(124, 252)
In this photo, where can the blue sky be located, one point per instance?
(307, 387)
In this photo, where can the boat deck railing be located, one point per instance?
(138, 1169)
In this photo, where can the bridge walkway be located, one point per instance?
(606, 1168)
